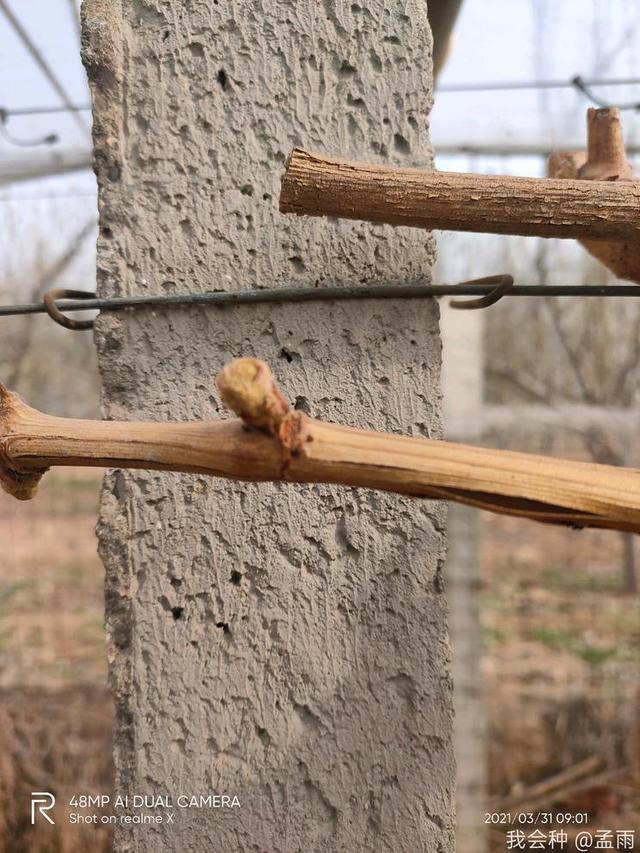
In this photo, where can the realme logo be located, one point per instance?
(44, 803)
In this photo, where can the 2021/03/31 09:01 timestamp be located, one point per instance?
(529, 818)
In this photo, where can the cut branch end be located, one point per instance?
(22, 485)
(604, 160)
(606, 155)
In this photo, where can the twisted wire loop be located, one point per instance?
(503, 284)
(49, 299)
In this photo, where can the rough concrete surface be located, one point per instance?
(285, 644)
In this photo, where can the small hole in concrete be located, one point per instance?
(302, 405)
(177, 612)
(401, 144)
(263, 734)
(235, 577)
(222, 78)
(225, 627)
(284, 353)
(196, 49)
(297, 263)
(346, 69)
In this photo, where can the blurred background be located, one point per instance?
(545, 622)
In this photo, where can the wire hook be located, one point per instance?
(578, 83)
(503, 284)
(49, 299)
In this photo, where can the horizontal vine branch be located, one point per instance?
(271, 442)
(314, 185)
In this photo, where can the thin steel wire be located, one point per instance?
(38, 57)
(46, 110)
(493, 86)
(577, 83)
(516, 85)
(490, 287)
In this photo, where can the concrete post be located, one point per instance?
(462, 380)
(286, 645)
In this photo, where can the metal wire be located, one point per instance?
(44, 110)
(489, 289)
(49, 139)
(492, 86)
(578, 83)
(585, 88)
(502, 285)
(56, 314)
(42, 63)
(516, 85)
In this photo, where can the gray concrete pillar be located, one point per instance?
(463, 384)
(283, 644)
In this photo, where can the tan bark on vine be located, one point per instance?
(271, 442)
